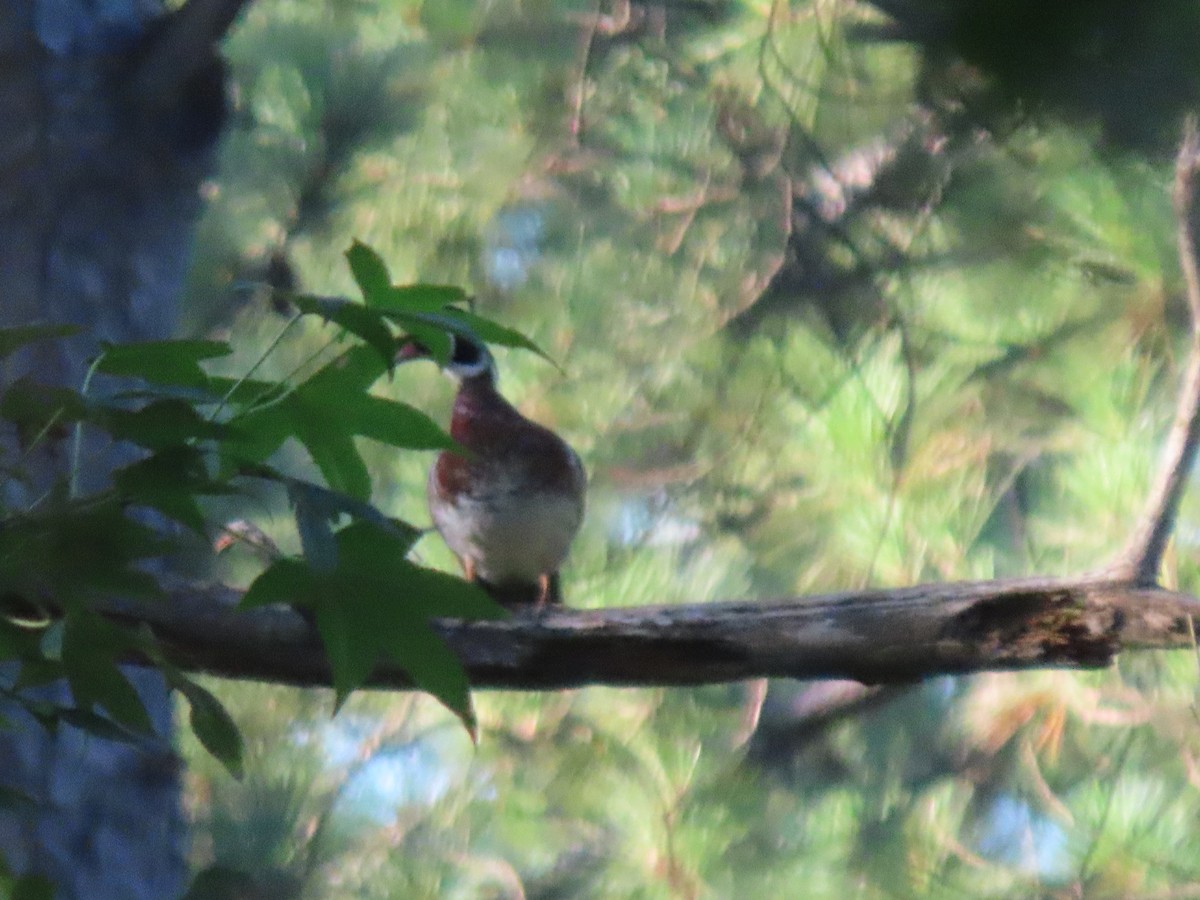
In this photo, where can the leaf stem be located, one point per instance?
(262, 358)
(77, 437)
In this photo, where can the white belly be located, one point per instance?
(512, 541)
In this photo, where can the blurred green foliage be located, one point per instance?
(826, 319)
(66, 549)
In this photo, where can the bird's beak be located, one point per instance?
(410, 349)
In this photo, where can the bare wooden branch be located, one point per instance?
(874, 636)
(1142, 556)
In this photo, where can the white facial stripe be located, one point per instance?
(461, 370)
(470, 370)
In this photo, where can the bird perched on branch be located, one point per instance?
(510, 509)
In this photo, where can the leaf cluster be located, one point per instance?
(200, 436)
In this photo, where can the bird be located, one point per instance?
(509, 507)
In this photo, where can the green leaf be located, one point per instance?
(170, 481)
(318, 509)
(450, 596)
(375, 620)
(35, 672)
(284, 581)
(325, 413)
(434, 668)
(398, 425)
(433, 338)
(256, 436)
(313, 413)
(246, 392)
(369, 270)
(98, 538)
(491, 332)
(351, 373)
(33, 887)
(91, 649)
(468, 324)
(350, 645)
(337, 397)
(162, 424)
(333, 505)
(359, 320)
(32, 406)
(315, 527)
(162, 362)
(337, 456)
(417, 298)
(213, 725)
(195, 396)
(376, 604)
(13, 339)
(109, 688)
(98, 725)
(382, 613)
(17, 639)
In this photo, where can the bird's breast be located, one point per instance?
(511, 534)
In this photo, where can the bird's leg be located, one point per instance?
(468, 565)
(544, 591)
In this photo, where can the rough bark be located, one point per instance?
(101, 156)
(879, 636)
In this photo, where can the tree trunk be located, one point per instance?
(99, 177)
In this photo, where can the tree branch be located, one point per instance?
(874, 636)
(1139, 561)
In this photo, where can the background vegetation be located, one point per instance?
(840, 299)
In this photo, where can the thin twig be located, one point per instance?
(249, 373)
(1142, 556)
(587, 37)
(77, 437)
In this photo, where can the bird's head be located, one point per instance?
(468, 358)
